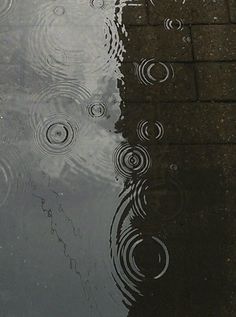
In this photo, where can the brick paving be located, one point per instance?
(194, 43)
(197, 108)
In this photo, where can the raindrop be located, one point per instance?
(176, 24)
(56, 49)
(97, 4)
(97, 110)
(131, 161)
(137, 258)
(144, 72)
(144, 130)
(60, 10)
(58, 98)
(56, 134)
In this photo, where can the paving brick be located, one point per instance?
(194, 11)
(183, 123)
(135, 13)
(181, 87)
(197, 122)
(232, 7)
(214, 42)
(216, 81)
(149, 42)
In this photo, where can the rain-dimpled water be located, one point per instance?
(106, 204)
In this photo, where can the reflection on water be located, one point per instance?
(94, 212)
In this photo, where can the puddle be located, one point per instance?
(110, 204)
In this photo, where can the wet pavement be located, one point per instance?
(117, 158)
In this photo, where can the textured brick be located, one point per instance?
(181, 87)
(135, 13)
(183, 123)
(216, 81)
(197, 122)
(194, 11)
(148, 42)
(214, 42)
(232, 7)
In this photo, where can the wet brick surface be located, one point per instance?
(196, 108)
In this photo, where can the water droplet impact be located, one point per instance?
(137, 258)
(151, 257)
(148, 130)
(55, 48)
(59, 98)
(131, 161)
(60, 10)
(5, 7)
(150, 72)
(173, 167)
(97, 4)
(56, 134)
(97, 110)
(176, 24)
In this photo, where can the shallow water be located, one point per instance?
(114, 200)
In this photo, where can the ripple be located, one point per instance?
(138, 198)
(176, 24)
(60, 10)
(145, 74)
(148, 130)
(6, 180)
(13, 176)
(55, 48)
(131, 161)
(56, 134)
(97, 110)
(97, 4)
(166, 198)
(58, 99)
(138, 258)
(5, 7)
(72, 142)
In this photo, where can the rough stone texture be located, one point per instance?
(183, 123)
(214, 42)
(216, 81)
(191, 180)
(135, 13)
(149, 42)
(196, 156)
(194, 11)
(232, 7)
(197, 122)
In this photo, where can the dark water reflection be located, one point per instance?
(97, 219)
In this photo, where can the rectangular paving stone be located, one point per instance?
(198, 123)
(216, 81)
(180, 123)
(135, 13)
(194, 11)
(150, 42)
(214, 42)
(178, 86)
(232, 8)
